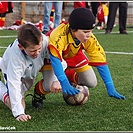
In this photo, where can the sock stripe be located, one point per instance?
(5, 96)
(39, 88)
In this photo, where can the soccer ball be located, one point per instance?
(78, 99)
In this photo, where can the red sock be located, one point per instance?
(72, 76)
(39, 88)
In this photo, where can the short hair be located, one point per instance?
(28, 34)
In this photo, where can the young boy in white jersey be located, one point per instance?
(20, 64)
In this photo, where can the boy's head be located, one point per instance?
(30, 40)
(82, 18)
(28, 34)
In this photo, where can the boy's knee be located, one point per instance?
(92, 84)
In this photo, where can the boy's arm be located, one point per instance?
(14, 71)
(106, 76)
(59, 72)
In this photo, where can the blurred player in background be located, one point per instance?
(48, 6)
(102, 15)
(123, 8)
(5, 7)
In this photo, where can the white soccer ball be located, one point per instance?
(78, 99)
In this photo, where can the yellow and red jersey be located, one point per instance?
(62, 45)
(102, 11)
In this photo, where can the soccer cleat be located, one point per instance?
(37, 100)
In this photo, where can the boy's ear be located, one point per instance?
(20, 47)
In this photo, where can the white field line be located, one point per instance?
(120, 53)
(103, 32)
(7, 36)
(2, 47)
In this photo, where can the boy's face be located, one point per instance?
(83, 35)
(33, 50)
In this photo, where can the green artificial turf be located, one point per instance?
(101, 112)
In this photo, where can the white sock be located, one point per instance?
(3, 92)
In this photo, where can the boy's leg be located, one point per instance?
(42, 87)
(39, 88)
(87, 78)
(39, 95)
(4, 95)
(72, 76)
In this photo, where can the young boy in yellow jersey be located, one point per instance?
(70, 42)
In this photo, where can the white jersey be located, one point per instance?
(21, 71)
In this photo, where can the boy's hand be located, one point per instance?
(68, 89)
(115, 94)
(56, 87)
(23, 117)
